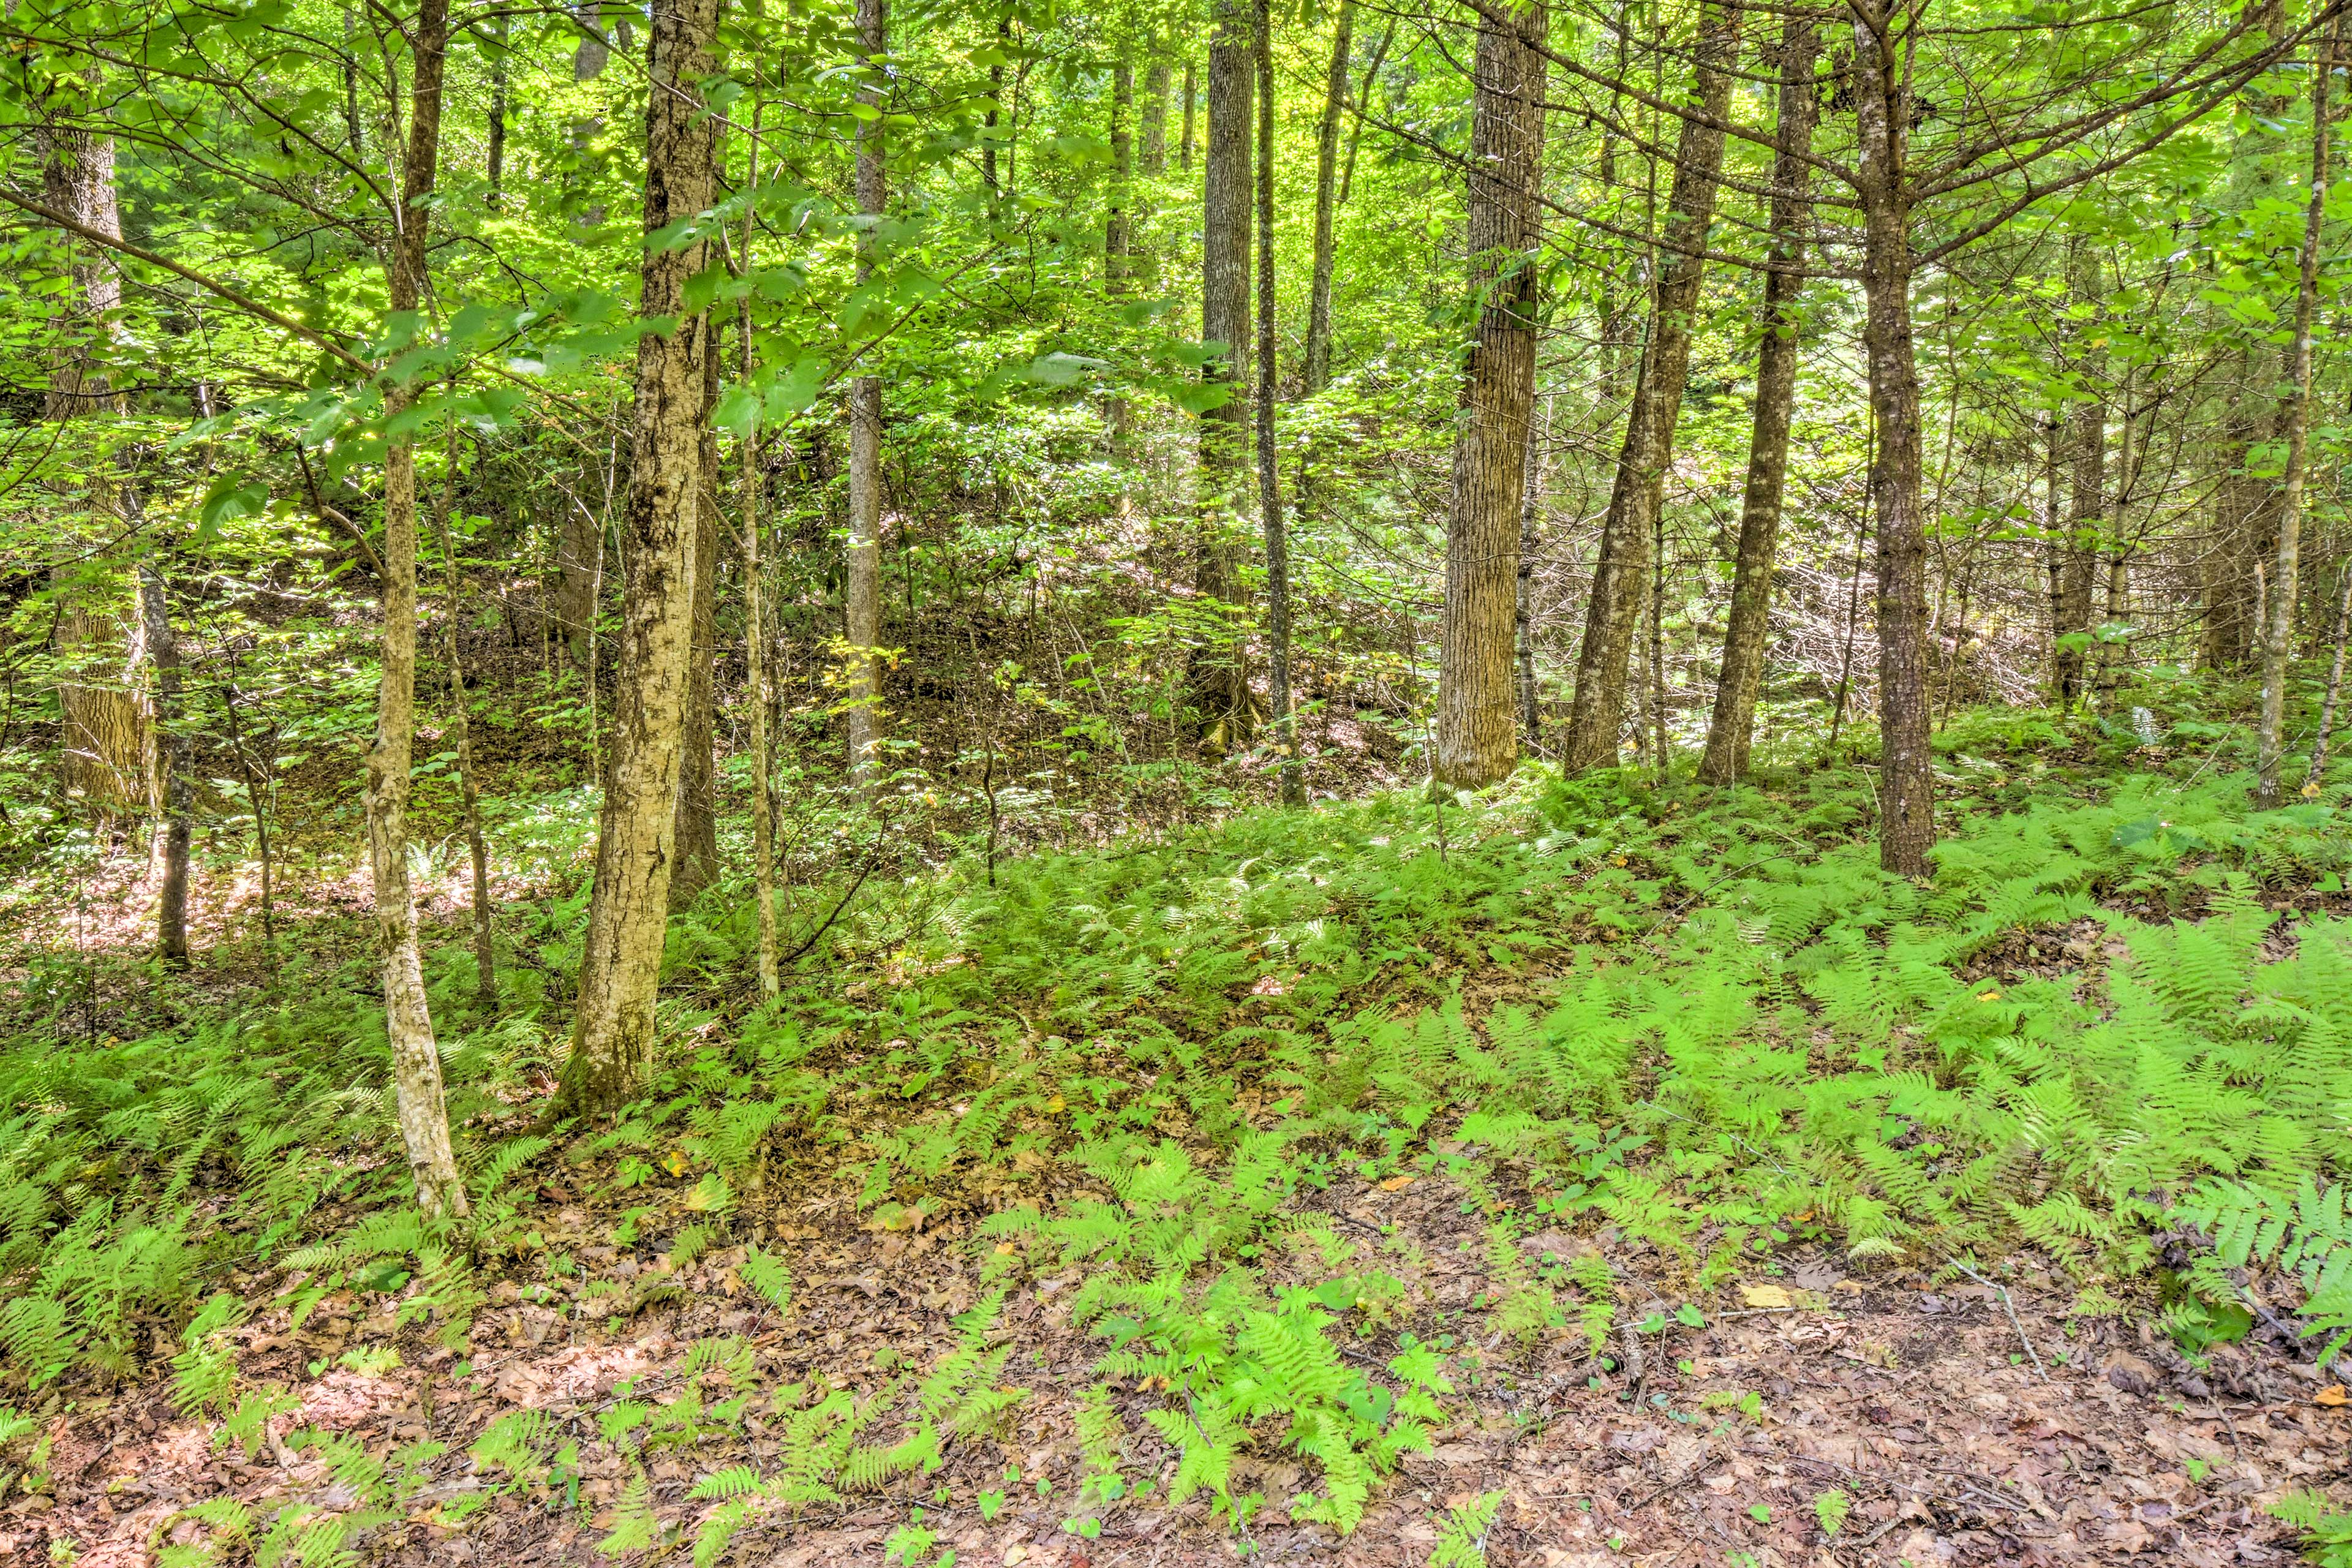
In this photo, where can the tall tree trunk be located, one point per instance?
(755, 626)
(1270, 490)
(992, 118)
(1530, 539)
(1638, 492)
(2278, 630)
(469, 792)
(1907, 780)
(1153, 139)
(698, 773)
(862, 582)
(2086, 510)
(1116, 240)
(1192, 101)
(171, 771)
(612, 1035)
(2318, 775)
(108, 741)
(1327, 191)
(1219, 689)
(496, 170)
(1363, 108)
(416, 1059)
(1733, 725)
(1477, 731)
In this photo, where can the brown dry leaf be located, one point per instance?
(2332, 1394)
(1396, 1183)
(1766, 1296)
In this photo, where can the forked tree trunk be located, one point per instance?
(1218, 688)
(1907, 780)
(1637, 494)
(1327, 191)
(1733, 726)
(862, 580)
(1477, 730)
(1269, 488)
(698, 778)
(171, 772)
(612, 1036)
(415, 1059)
(2278, 629)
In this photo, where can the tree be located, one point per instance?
(612, 1034)
(1637, 493)
(862, 580)
(1220, 691)
(1327, 185)
(1477, 730)
(1779, 324)
(1270, 490)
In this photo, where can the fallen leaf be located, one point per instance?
(1056, 1104)
(1766, 1296)
(1396, 1183)
(2332, 1394)
(1015, 1553)
(676, 1162)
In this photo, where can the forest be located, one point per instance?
(1403, 781)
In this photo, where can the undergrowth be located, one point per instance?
(1703, 1020)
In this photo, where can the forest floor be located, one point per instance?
(1626, 1197)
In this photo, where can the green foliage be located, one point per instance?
(1463, 1541)
(2327, 1534)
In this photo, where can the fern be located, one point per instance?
(1462, 1542)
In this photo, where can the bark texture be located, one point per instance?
(2278, 627)
(2086, 508)
(1477, 730)
(612, 1038)
(1152, 142)
(1326, 191)
(415, 1059)
(1732, 727)
(862, 580)
(1637, 493)
(1906, 785)
(1219, 691)
(170, 852)
(1269, 488)
(1118, 243)
(697, 769)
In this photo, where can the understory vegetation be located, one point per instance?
(2114, 1031)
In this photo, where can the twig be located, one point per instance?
(2011, 1307)
(1684, 1479)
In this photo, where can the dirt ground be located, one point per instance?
(1951, 1442)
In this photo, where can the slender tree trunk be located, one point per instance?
(1477, 731)
(171, 771)
(1363, 108)
(1270, 490)
(1327, 191)
(2317, 774)
(1219, 689)
(990, 120)
(416, 1059)
(1638, 492)
(2278, 630)
(1530, 539)
(697, 774)
(1191, 100)
(2086, 509)
(1733, 725)
(257, 795)
(497, 137)
(2053, 535)
(611, 1036)
(1906, 781)
(862, 585)
(1116, 242)
(469, 793)
(1153, 139)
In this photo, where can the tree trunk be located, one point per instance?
(1906, 781)
(416, 1059)
(1219, 691)
(579, 567)
(1269, 491)
(1732, 727)
(1327, 190)
(1154, 137)
(697, 777)
(2278, 630)
(1638, 492)
(1524, 608)
(1116, 240)
(2245, 517)
(611, 1036)
(1477, 731)
(170, 852)
(1363, 108)
(2318, 775)
(2087, 512)
(862, 581)
(469, 793)
(1191, 100)
(496, 170)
